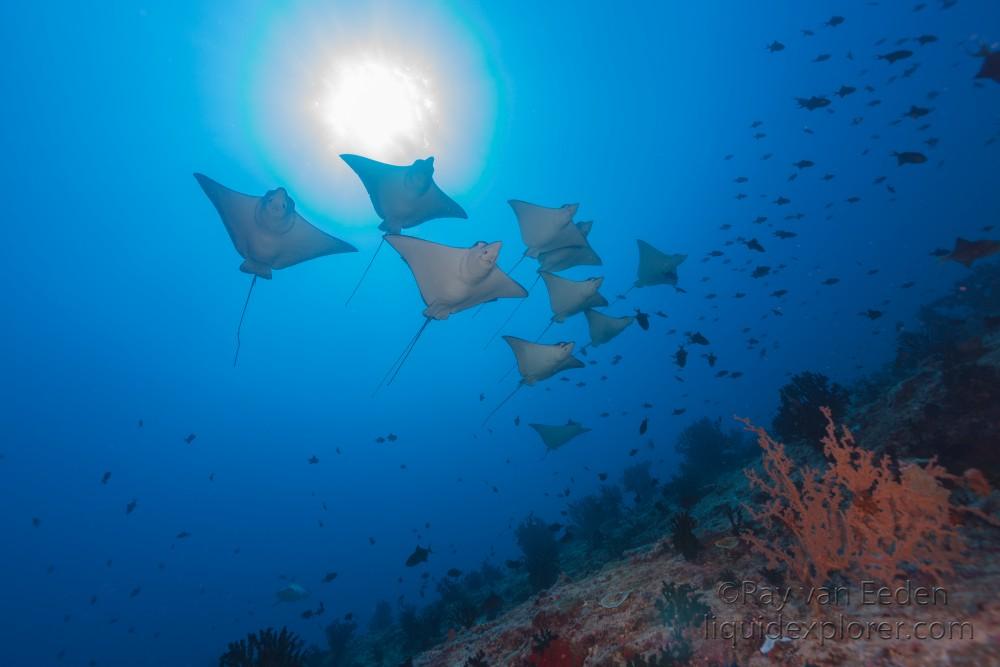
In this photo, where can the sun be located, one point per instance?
(378, 108)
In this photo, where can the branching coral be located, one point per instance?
(595, 516)
(862, 514)
(265, 648)
(541, 553)
(682, 535)
(798, 415)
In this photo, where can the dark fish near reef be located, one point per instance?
(418, 556)
(895, 56)
(909, 157)
(642, 319)
(966, 252)
(696, 338)
(812, 103)
(871, 314)
(915, 112)
(454, 573)
(991, 65)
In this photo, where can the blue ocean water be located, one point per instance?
(123, 293)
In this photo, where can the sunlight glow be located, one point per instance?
(379, 108)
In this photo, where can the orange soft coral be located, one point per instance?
(861, 514)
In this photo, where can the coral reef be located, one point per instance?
(541, 553)
(682, 535)
(265, 648)
(338, 640)
(595, 516)
(798, 418)
(862, 514)
(637, 480)
(705, 450)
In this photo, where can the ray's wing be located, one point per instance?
(373, 175)
(541, 225)
(604, 327)
(565, 296)
(305, 241)
(435, 267)
(498, 285)
(236, 209)
(532, 358)
(436, 204)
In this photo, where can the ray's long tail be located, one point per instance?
(365, 272)
(545, 330)
(243, 314)
(497, 408)
(393, 371)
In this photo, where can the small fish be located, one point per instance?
(783, 234)
(679, 411)
(418, 556)
(775, 46)
(642, 319)
(189, 438)
(135, 591)
(105, 477)
(782, 201)
(643, 426)
(328, 577)
(131, 506)
(392, 437)
(924, 40)
(803, 164)
(812, 103)
(844, 91)
(454, 573)
(680, 357)
(917, 112)
(909, 157)
(895, 56)
(760, 271)
(831, 281)
(754, 244)
(871, 314)
(603, 476)
(696, 338)
(183, 535)
(313, 460)
(821, 58)
(834, 21)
